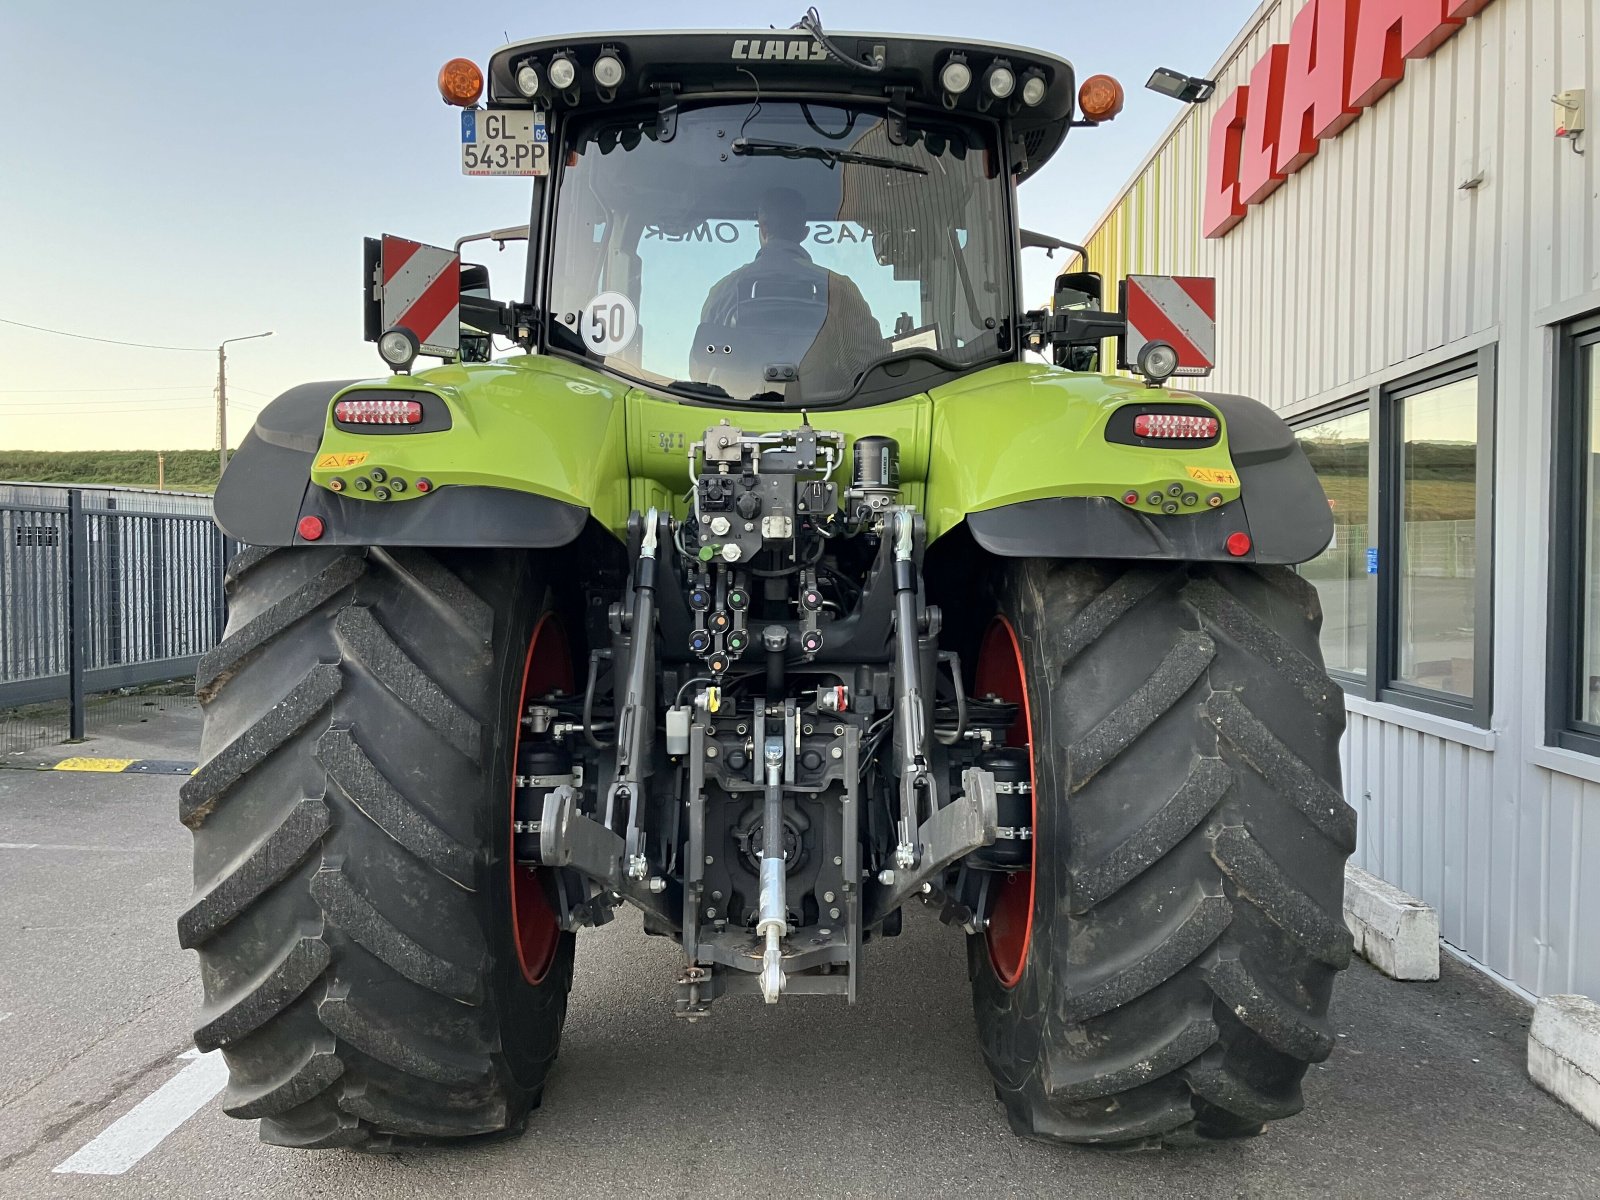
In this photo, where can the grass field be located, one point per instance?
(186, 470)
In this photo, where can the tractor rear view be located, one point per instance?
(745, 570)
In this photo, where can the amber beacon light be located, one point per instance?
(1100, 98)
(460, 82)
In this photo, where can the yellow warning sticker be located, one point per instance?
(109, 765)
(337, 462)
(1213, 475)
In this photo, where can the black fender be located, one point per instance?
(267, 489)
(1281, 508)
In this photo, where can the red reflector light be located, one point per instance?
(311, 528)
(1175, 425)
(1238, 544)
(378, 412)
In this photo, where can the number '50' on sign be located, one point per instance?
(608, 323)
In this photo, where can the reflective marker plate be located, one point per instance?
(504, 142)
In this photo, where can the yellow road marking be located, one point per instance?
(109, 765)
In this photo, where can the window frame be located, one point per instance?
(1354, 682)
(1385, 476)
(1570, 434)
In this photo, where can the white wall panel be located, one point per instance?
(1368, 258)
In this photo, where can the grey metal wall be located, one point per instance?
(1370, 262)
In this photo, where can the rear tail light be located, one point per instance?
(1175, 425)
(378, 412)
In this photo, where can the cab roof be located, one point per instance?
(680, 65)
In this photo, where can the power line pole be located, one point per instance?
(222, 410)
(222, 398)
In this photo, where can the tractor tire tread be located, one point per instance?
(341, 924)
(1184, 949)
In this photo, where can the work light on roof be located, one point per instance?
(528, 79)
(1033, 88)
(608, 70)
(1001, 80)
(563, 72)
(956, 76)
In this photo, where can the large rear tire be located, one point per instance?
(1165, 969)
(351, 817)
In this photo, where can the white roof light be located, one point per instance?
(1002, 81)
(956, 77)
(608, 70)
(563, 73)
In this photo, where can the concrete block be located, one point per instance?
(1564, 1053)
(1396, 933)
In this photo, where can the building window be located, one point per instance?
(1436, 554)
(1340, 450)
(1406, 584)
(1575, 557)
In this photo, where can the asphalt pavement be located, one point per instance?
(1425, 1095)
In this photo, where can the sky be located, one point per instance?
(177, 173)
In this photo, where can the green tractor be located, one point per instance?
(766, 566)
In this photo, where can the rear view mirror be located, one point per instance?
(1079, 289)
(476, 345)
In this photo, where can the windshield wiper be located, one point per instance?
(827, 154)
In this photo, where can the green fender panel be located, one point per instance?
(526, 451)
(1020, 455)
(515, 453)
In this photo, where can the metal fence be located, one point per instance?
(103, 588)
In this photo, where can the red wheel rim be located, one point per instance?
(534, 928)
(1001, 673)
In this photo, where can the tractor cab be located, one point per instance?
(777, 219)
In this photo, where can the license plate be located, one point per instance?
(507, 142)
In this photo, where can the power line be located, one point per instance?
(50, 414)
(124, 401)
(84, 406)
(108, 341)
(170, 387)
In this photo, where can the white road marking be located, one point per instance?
(50, 846)
(129, 1138)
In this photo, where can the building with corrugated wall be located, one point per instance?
(1405, 231)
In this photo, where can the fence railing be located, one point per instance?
(103, 588)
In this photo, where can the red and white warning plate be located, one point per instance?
(422, 293)
(1180, 310)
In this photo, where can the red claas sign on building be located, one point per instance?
(1341, 57)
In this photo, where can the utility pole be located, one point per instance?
(222, 397)
(161, 471)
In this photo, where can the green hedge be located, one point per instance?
(187, 470)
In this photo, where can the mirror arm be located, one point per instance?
(1078, 326)
(491, 316)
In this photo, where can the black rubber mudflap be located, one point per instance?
(351, 831)
(1190, 845)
